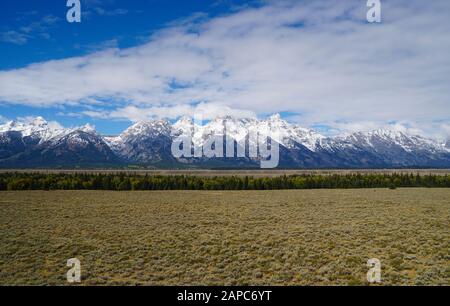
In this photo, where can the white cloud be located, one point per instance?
(35, 28)
(14, 37)
(106, 44)
(40, 25)
(207, 111)
(317, 58)
(30, 119)
(445, 128)
(105, 12)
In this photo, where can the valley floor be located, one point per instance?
(288, 237)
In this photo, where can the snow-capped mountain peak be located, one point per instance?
(140, 131)
(37, 128)
(184, 126)
(27, 128)
(275, 117)
(387, 138)
(150, 141)
(11, 126)
(185, 120)
(147, 127)
(39, 121)
(88, 129)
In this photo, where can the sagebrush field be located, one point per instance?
(287, 237)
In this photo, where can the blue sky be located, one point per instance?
(318, 63)
(38, 32)
(41, 32)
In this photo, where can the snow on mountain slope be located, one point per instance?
(290, 134)
(144, 142)
(382, 138)
(184, 126)
(41, 130)
(150, 142)
(37, 128)
(238, 129)
(140, 131)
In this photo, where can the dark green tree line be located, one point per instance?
(122, 182)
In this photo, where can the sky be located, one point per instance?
(318, 63)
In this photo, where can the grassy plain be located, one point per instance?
(288, 237)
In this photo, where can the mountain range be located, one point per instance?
(38, 144)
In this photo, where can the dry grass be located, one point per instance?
(318, 237)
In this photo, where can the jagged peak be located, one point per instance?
(150, 123)
(39, 127)
(184, 120)
(39, 121)
(381, 132)
(11, 124)
(145, 136)
(34, 122)
(387, 132)
(275, 117)
(161, 126)
(88, 128)
(219, 119)
(27, 126)
(391, 133)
